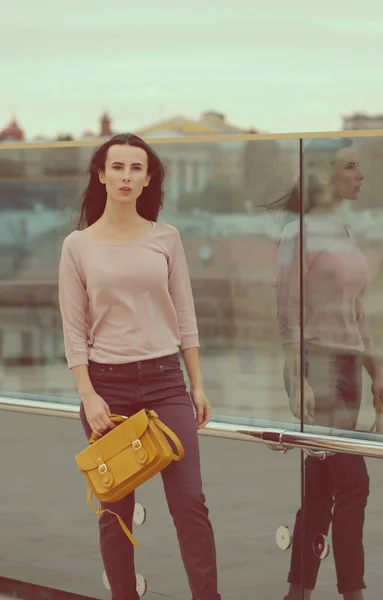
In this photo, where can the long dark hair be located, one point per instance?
(291, 200)
(150, 201)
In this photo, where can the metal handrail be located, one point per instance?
(321, 444)
(276, 435)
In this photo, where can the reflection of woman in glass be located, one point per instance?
(127, 309)
(337, 345)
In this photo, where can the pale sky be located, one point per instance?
(279, 66)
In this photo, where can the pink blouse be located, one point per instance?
(123, 303)
(335, 279)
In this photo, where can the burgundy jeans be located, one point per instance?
(158, 384)
(336, 489)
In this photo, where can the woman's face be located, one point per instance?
(330, 183)
(347, 177)
(126, 173)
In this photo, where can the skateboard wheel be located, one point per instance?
(141, 585)
(139, 515)
(283, 537)
(105, 581)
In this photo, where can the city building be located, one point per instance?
(210, 123)
(191, 167)
(362, 121)
(105, 129)
(12, 133)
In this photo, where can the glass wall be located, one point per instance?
(226, 198)
(223, 198)
(283, 241)
(39, 189)
(342, 261)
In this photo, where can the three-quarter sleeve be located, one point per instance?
(288, 289)
(73, 300)
(181, 294)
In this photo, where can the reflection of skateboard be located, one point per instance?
(141, 585)
(139, 518)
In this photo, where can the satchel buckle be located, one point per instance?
(102, 469)
(136, 445)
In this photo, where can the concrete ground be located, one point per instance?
(49, 537)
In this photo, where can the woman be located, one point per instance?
(337, 344)
(127, 309)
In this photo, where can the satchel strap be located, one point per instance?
(99, 511)
(172, 435)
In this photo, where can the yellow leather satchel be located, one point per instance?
(127, 456)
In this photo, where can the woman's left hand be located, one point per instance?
(202, 407)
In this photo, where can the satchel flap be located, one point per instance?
(114, 442)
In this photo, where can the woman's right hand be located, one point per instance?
(97, 413)
(308, 399)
